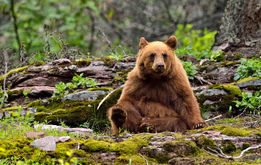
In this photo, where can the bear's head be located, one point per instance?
(155, 59)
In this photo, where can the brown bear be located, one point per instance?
(157, 95)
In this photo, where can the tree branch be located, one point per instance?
(12, 4)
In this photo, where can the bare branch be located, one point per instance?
(214, 118)
(222, 155)
(108, 96)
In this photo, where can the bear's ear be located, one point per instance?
(172, 42)
(143, 42)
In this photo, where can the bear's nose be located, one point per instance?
(160, 66)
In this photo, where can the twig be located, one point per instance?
(12, 3)
(201, 79)
(92, 20)
(213, 118)
(144, 159)
(4, 82)
(222, 155)
(102, 101)
(242, 112)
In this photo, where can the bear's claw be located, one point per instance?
(200, 125)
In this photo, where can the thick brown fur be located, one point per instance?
(157, 95)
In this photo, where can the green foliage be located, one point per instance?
(190, 69)
(250, 103)
(195, 42)
(15, 125)
(248, 68)
(66, 18)
(77, 81)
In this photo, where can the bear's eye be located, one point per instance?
(152, 56)
(165, 56)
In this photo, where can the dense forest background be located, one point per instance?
(50, 29)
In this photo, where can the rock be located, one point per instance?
(122, 66)
(34, 134)
(157, 152)
(251, 83)
(108, 156)
(181, 148)
(213, 133)
(33, 91)
(252, 157)
(81, 131)
(181, 161)
(212, 92)
(40, 81)
(84, 95)
(62, 139)
(46, 144)
(61, 61)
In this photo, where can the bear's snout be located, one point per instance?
(160, 67)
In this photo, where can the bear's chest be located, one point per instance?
(161, 92)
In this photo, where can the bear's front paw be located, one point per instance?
(200, 125)
(118, 117)
(146, 127)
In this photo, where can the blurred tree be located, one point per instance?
(241, 25)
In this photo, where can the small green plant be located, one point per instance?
(250, 103)
(248, 68)
(77, 82)
(190, 69)
(15, 125)
(196, 43)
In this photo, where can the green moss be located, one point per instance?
(231, 120)
(40, 116)
(110, 62)
(74, 113)
(231, 63)
(134, 159)
(204, 142)
(118, 79)
(227, 146)
(230, 131)
(101, 88)
(10, 109)
(246, 79)
(82, 62)
(232, 89)
(95, 145)
(12, 72)
(182, 148)
(34, 104)
(129, 146)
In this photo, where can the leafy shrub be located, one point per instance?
(36, 17)
(250, 102)
(190, 69)
(195, 42)
(248, 68)
(77, 81)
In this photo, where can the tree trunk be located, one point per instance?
(241, 26)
